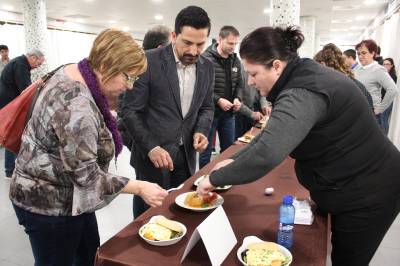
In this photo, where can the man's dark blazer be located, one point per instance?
(152, 114)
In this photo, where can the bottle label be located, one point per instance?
(285, 227)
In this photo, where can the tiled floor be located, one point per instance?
(15, 248)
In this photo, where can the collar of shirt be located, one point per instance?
(354, 65)
(369, 66)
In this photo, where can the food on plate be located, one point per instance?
(248, 137)
(264, 254)
(195, 201)
(163, 229)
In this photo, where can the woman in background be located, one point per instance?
(332, 57)
(61, 175)
(375, 79)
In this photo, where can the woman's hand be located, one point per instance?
(204, 187)
(152, 193)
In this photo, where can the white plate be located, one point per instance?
(253, 239)
(180, 201)
(162, 242)
(197, 181)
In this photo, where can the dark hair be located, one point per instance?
(225, 31)
(267, 43)
(3, 47)
(333, 58)
(393, 69)
(192, 16)
(351, 53)
(370, 44)
(156, 36)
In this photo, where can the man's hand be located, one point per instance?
(376, 112)
(200, 142)
(224, 104)
(256, 116)
(161, 158)
(236, 105)
(266, 110)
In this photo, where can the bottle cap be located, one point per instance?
(287, 199)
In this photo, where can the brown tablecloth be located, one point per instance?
(249, 211)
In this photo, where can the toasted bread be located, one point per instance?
(263, 245)
(171, 225)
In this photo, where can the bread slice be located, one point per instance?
(263, 245)
(171, 225)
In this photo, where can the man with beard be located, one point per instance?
(169, 111)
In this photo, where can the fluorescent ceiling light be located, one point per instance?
(339, 21)
(112, 22)
(125, 28)
(267, 10)
(345, 8)
(7, 7)
(158, 17)
(80, 20)
(360, 17)
(369, 2)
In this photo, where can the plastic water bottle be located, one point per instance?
(286, 222)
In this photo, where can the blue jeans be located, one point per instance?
(61, 240)
(383, 119)
(225, 126)
(170, 179)
(9, 162)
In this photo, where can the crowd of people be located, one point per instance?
(172, 95)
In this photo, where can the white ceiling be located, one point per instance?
(333, 24)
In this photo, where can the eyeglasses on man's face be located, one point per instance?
(130, 80)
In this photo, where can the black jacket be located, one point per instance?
(15, 78)
(221, 77)
(344, 157)
(152, 115)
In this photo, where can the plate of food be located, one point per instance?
(192, 201)
(254, 252)
(246, 138)
(197, 181)
(160, 231)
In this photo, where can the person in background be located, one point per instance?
(228, 84)
(332, 57)
(157, 37)
(378, 58)
(350, 56)
(61, 176)
(320, 119)
(15, 78)
(4, 59)
(388, 64)
(257, 106)
(375, 79)
(169, 111)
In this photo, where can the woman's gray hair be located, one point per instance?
(35, 52)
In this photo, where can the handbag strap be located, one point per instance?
(45, 78)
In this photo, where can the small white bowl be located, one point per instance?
(162, 242)
(253, 239)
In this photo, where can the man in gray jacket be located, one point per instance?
(169, 111)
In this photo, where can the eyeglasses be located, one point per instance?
(130, 80)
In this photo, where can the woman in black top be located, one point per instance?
(321, 119)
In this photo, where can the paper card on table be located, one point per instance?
(217, 235)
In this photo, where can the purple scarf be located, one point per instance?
(101, 102)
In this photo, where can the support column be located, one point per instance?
(285, 13)
(307, 26)
(35, 27)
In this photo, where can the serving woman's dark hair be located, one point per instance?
(266, 44)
